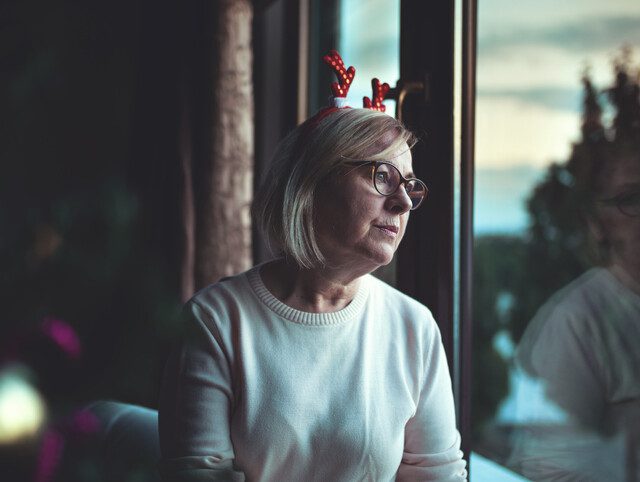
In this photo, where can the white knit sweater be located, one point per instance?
(261, 389)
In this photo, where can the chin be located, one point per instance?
(387, 260)
(382, 257)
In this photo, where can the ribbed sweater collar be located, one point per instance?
(350, 311)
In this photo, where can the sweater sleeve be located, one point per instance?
(432, 442)
(195, 407)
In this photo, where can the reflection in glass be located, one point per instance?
(582, 349)
(556, 261)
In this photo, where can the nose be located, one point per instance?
(399, 202)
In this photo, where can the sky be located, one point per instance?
(531, 56)
(370, 39)
(530, 60)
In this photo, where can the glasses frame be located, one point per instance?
(617, 201)
(403, 180)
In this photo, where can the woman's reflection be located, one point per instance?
(583, 347)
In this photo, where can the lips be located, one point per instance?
(390, 229)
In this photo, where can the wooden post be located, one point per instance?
(223, 224)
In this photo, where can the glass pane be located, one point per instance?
(556, 352)
(369, 38)
(367, 35)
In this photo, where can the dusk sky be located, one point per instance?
(530, 60)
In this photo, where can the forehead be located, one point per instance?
(402, 159)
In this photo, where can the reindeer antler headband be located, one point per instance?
(339, 98)
(345, 79)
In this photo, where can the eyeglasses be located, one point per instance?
(387, 179)
(628, 203)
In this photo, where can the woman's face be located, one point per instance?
(355, 225)
(621, 232)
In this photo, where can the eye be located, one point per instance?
(382, 176)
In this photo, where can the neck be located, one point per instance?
(318, 290)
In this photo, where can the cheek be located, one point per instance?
(348, 210)
(340, 216)
(404, 219)
(353, 220)
(622, 231)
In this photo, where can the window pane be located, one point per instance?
(367, 36)
(557, 240)
(370, 38)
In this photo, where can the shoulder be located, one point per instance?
(593, 282)
(569, 318)
(578, 302)
(411, 331)
(401, 311)
(394, 299)
(224, 290)
(217, 306)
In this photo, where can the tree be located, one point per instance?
(514, 276)
(559, 244)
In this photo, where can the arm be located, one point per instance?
(432, 442)
(195, 407)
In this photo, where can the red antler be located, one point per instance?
(345, 77)
(379, 91)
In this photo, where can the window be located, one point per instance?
(555, 321)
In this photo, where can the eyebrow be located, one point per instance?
(409, 175)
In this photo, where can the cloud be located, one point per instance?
(510, 131)
(557, 98)
(594, 33)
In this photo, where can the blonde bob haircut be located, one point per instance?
(283, 208)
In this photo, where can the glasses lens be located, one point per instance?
(386, 178)
(417, 191)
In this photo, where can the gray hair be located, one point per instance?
(283, 208)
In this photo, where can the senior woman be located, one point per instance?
(307, 367)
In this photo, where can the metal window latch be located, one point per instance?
(404, 88)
